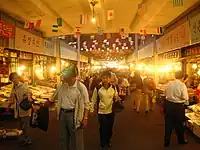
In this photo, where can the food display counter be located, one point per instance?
(193, 119)
(41, 94)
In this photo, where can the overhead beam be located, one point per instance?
(152, 9)
(52, 13)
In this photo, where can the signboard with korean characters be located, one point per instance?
(190, 50)
(169, 55)
(195, 29)
(6, 30)
(49, 47)
(177, 38)
(28, 42)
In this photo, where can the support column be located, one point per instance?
(155, 62)
(78, 56)
(136, 48)
(58, 59)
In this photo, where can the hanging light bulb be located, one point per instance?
(93, 20)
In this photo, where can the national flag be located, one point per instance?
(110, 15)
(55, 28)
(178, 3)
(26, 25)
(78, 31)
(83, 19)
(38, 23)
(31, 26)
(59, 21)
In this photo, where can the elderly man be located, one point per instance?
(176, 96)
(73, 106)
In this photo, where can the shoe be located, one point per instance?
(183, 142)
(134, 109)
(28, 142)
(146, 111)
(166, 144)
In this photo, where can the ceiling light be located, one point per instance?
(127, 47)
(122, 47)
(117, 48)
(86, 50)
(94, 20)
(82, 49)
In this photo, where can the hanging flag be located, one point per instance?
(38, 23)
(55, 28)
(110, 15)
(177, 3)
(31, 26)
(59, 21)
(159, 30)
(26, 25)
(78, 31)
(83, 19)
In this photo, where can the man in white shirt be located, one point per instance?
(73, 107)
(176, 96)
(103, 96)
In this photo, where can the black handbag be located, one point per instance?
(25, 104)
(117, 106)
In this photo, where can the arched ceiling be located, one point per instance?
(128, 14)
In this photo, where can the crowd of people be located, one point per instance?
(96, 95)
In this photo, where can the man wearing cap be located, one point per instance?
(73, 106)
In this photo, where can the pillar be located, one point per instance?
(58, 58)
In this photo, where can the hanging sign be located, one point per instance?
(170, 55)
(25, 56)
(6, 31)
(190, 51)
(177, 38)
(28, 42)
(78, 31)
(195, 29)
(48, 47)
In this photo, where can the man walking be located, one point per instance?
(176, 97)
(73, 106)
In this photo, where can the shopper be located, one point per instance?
(176, 97)
(136, 87)
(149, 88)
(103, 97)
(73, 106)
(19, 93)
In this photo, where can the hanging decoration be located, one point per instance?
(178, 3)
(83, 19)
(32, 25)
(59, 22)
(110, 15)
(55, 28)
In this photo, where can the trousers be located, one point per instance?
(174, 119)
(106, 122)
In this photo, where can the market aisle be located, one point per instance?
(132, 132)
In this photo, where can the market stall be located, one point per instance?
(44, 70)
